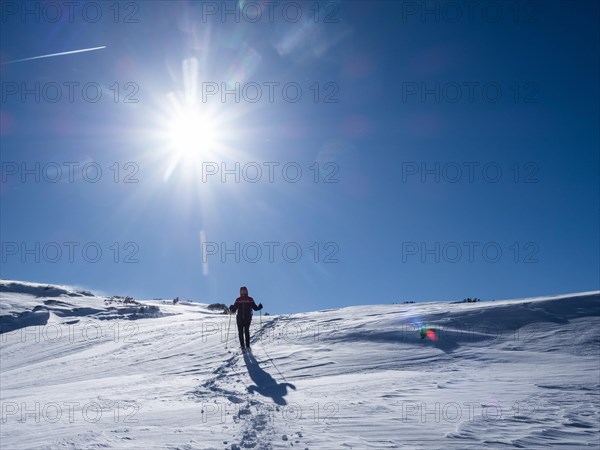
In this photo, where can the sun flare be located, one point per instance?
(189, 133)
(192, 134)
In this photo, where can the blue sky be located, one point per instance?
(429, 156)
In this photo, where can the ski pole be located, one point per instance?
(260, 311)
(228, 327)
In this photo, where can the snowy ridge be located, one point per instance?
(33, 304)
(80, 371)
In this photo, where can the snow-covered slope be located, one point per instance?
(80, 371)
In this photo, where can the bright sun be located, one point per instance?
(192, 134)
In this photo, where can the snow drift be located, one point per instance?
(84, 371)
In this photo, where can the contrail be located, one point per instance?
(55, 54)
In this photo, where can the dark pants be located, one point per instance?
(244, 331)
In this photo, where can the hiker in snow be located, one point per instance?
(244, 306)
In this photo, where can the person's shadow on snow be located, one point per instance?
(265, 383)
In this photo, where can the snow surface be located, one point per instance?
(79, 371)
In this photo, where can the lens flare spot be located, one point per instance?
(431, 335)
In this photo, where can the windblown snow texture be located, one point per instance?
(83, 371)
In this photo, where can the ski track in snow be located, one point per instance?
(253, 414)
(506, 374)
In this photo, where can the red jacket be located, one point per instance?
(244, 306)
